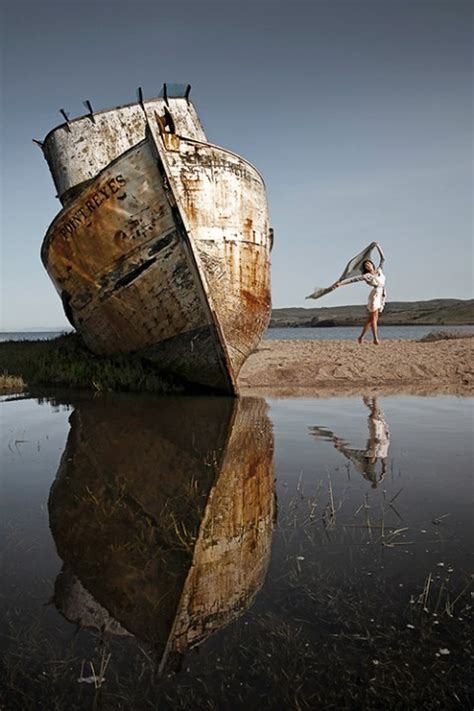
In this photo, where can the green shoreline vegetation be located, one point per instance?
(66, 362)
(437, 312)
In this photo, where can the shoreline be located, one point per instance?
(438, 364)
(295, 368)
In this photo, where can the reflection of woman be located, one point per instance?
(376, 279)
(378, 443)
(379, 434)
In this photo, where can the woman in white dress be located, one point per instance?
(376, 279)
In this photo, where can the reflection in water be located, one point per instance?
(162, 512)
(378, 443)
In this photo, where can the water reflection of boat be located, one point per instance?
(162, 246)
(376, 450)
(162, 512)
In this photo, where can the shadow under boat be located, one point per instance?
(162, 512)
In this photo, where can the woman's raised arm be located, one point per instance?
(348, 281)
(382, 255)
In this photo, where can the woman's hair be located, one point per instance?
(364, 266)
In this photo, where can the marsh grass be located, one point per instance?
(319, 636)
(10, 384)
(174, 529)
(66, 362)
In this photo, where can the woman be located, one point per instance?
(376, 279)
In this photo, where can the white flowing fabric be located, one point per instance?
(353, 268)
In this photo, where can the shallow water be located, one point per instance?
(410, 333)
(30, 335)
(216, 553)
(305, 334)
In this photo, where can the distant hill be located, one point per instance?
(437, 312)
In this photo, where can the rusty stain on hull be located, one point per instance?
(165, 536)
(163, 245)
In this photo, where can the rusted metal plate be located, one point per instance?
(168, 531)
(224, 199)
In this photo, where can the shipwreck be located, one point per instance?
(162, 247)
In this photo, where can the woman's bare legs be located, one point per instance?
(374, 326)
(365, 328)
(372, 322)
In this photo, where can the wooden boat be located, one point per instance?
(162, 246)
(165, 535)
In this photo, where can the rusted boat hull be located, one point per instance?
(165, 250)
(166, 535)
(224, 204)
(127, 275)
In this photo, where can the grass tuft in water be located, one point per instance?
(11, 384)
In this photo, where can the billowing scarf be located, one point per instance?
(353, 268)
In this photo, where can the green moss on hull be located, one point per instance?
(66, 362)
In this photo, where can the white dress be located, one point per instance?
(376, 300)
(377, 295)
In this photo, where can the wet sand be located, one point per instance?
(286, 368)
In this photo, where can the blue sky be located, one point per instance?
(358, 114)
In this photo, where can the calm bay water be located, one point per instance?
(216, 553)
(322, 334)
(352, 332)
(29, 335)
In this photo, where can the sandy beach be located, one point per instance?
(286, 368)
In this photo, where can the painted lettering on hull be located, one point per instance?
(81, 214)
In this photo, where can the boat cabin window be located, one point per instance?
(175, 91)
